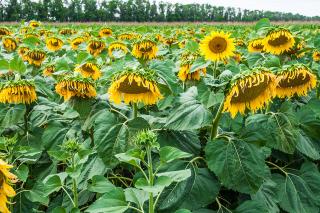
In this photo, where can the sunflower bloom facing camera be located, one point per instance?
(145, 49)
(295, 80)
(18, 92)
(95, 47)
(89, 70)
(6, 190)
(278, 41)
(35, 57)
(54, 44)
(9, 44)
(255, 45)
(218, 46)
(137, 86)
(250, 91)
(70, 86)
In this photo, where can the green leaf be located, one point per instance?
(192, 46)
(251, 206)
(199, 63)
(17, 64)
(4, 65)
(100, 184)
(169, 154)
(190, 115)
(111, 202)
(306, 146)
(176, 176)
(54, 135)
(136, 196)
(52, 184)
(272, 61)
(262, 23)
(11, 115)
(22, 172)
(182, 211)
(160, 183)
(239, 165)
(310, 173)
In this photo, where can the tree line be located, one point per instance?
(131, 11)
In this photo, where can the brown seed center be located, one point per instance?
(282, 39)
(218, 45)
(297, 81)
(132, 88)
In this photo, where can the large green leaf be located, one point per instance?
(100, 184)
(11, 115)
(54, 135)
(136, 196)
(169, 153)
(239, 165)
(251, 206)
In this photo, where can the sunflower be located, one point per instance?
(35, 57)
(255, 45)
(54, 43)
(89, 70)
(278, 41)
(16, 92)
(67, 31)
(48, 70)
(70, 86)
(137, 86)
(125, 36)
(25, 30)
(4, 31)
(145, 49)
(237, 57)
(185, 67)
(6, 190)
(31, 35)
(296, 79)
(76, 42)
(22, 50)
(316, 55)
(105, 32)
(251, 91)
(240, 42)
(169, 41)
(9, 44)
(117, 46)
(43, 32)
(218, 46)
(34, 24)
(95, 47)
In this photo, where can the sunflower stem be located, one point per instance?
(214, 130)
(74, 186)
(151, 179)
(135, 110)
(214, 72)
(26, 114)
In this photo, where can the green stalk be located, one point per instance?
(26, 114)
(134, 110)
(214, 130)
(151, 179)
(74, 187)
(214, 72)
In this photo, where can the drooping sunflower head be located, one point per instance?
(48, 70)
(70, 86)
(89, 70)
(105, 32)
(278, 41)
(31, 35)
(34, 24)
(187, 59)
(218, 46)
(43, 32)
(145, 49)
(250, 91)
(316, 55)
(237, 57)
(135, 86)
(117, 46)
(67, 31)
(295, 80)
(170, 41)
(76, 42)
(35, 57)
(125, 36)
(54, 43)
(240, 42)
(18, 92)
(7, 179)
(95, 47)
(9, 44)
(255, 45)
(22, 51)
(4, 32)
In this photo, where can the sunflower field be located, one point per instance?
(159, 118)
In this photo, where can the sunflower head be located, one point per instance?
(76, 42)
(54, 43)
(95, 47)
(31, 35)
(117, 46)
(250, 91)
(9, 44)
(125, 36)
(70, 86)
(145, 49)
(4, 32)
(89, 70)
(67, 31)
(218, 46)
(278, 41)
(316, 55)
(25, 30)
(255, 45)
(187, 59)
(105, 32)
(170, 41)
(134, 86)
(34, 24)
(48, 70)
(240, 42)
(22, 50)
(18, 92)
(295, 80)
(35, 57)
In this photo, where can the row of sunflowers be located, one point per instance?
(159, 118)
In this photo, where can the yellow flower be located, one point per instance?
(95, 47)
(22, 50)
(184, 73)
(240, 42)
(54, 44)
(250, 92)
(125, 36)
(76, 42)
(169, 41)
(134, 88)
(34, 24)
(278, 41)
(6, 190)
(31, 35)
(4, 31)
(89, 70)
(9, 44)
(297, 79)
(35, 57)
(316, 55)
(237, 57)
(21, 91)
(48, 70)
(145, 49)
(105, 32)
(75, 87)
(115, 46)
(255, 45)
(67, 31)
(218, 46)
(24, 30)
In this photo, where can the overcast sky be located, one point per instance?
(304, 7)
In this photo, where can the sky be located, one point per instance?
(303, 7)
